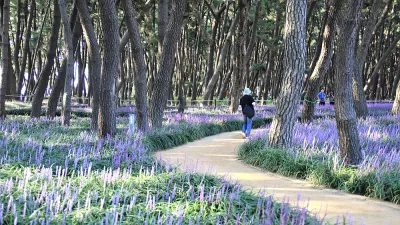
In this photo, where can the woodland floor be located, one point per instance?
(217, 155)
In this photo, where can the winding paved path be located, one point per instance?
(217, 155)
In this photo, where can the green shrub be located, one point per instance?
(383, 185)
(184, 132)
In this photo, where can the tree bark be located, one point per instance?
(163, 76)
(140, 67)
(323, 63)
(60, 81)
(250, 47)
(281, 131)
(395, 82)
(17, 45)
(5, 20)
(109, 73)
(210, 62)
(94, 59)
(162, 23)
(346, 120)
(46, 71)
(380, 63)
(69, 55)
(320, 39)
(396, 105)
(360, 102)
(221, 61)
(80, 53)
(237, 77)
(26, 46)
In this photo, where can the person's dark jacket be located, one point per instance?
(246, 100)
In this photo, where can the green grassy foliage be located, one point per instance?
(184, 132)
(102, 193)
(380, 185)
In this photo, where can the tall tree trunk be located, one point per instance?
(237, 77)
(225, 84)
(5, 20)
(162, 23)
(250, 47)
(396, 105)
(360, 102)
(324, 61)
(163, 77)
(11, 79)
(380, 63)
(81, 73)
(94, 59)
(395, 82)
(109, 73)
(45, 74)
(221, 61)
(17, 45)
(69, 54)
(140, 67)
(346, 120)
(320, 39)
(281, 131)
(210, 62)
(60, 81)
(27, 39)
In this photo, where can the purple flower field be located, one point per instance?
(55, 175)
(379, 139)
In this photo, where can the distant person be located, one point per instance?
(322, 97)
(331, 98)
(247, 100)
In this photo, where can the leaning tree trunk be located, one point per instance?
(216, 23)
(360, 102)
(109, 73)
(94, 59)
(26, 50)
(250, 47)
(46, 71)
(163, 77)
(323, 63)
(69, 54)
(60, 81)
(237, 77)
(396, 105)
(5, 20)
(221, 61)
(375, 73)
(140, 67)
(346, 120)
(281, 131)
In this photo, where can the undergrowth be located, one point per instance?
(384, 185)
(55, 175)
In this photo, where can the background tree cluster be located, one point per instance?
(110, 52)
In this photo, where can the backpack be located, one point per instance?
(248, 111)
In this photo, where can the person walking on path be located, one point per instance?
(247, 100)
(322, 97)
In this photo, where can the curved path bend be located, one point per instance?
(217, 155)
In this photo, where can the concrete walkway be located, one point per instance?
(217, 155)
